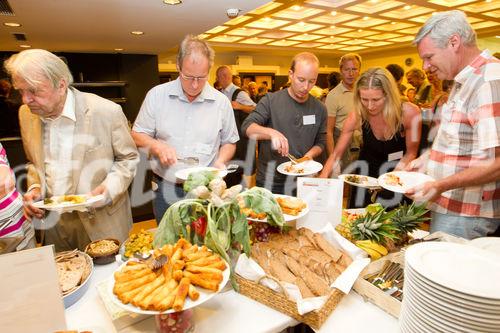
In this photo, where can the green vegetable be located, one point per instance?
(261, 200)
(226, 229)
(200, 178)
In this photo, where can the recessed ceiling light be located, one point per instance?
(332, 26)
(172, 2)
(137, 32)
(488, 0)
(366, 18)
(497, 36)
(25, 46)
(393, 22)
(118, 49)
(296, 8)
(12, 24)
(333, 13)
(360, 30)
(407, 7)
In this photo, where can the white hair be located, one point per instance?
(195, 45)
(31, 64)
(442, 25)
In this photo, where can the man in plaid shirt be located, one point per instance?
(465, 157)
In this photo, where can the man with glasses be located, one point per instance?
(288, 121)
(339, 102)
(185, 118)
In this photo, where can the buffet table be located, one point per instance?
(226, 312)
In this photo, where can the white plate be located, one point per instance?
(408, 180)
(183, 174)
(287, 217)
(460, 267)
(487, 243)
(67, 205)
(310, 168)
(205, 295)
(368, 182)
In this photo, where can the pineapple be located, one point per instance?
(407, 218)
(344, 227)
(376, 227)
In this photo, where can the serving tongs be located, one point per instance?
(189, 160)
(296, 160)
(151, 261)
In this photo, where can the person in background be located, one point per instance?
(265, 87)
(334, 78)
(185, 118)
(253, 91)
(398, 74)
(391, 132)
(339, 103)
(410, 94)
(465, 156)
(9, 126)
(261, 92)
(236, 79)
(424, 91)
(242, 105)
(76, 143)
(288, 121)
(13, 223)
(217, 85)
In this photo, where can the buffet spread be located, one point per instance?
(248, 239)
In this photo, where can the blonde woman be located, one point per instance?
(391, 128)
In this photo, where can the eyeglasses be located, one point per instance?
(193, 78)
(350, 70)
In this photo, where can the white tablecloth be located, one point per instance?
(226, 312)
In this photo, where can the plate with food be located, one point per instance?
(183, 174)
(70, 201)
(293, 208)
(74, 269)
(401, 181)
(360, 180)
(138, 244)
(192, 275)
(305, 168)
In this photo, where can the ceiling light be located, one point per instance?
(393, 22)
(296, 8)
(332, 26)
(373, 1)
(488, 0)
(137, 32)
(333, 13)
(407, 7)
(302, 23)
(118, 49)
(360, 30)
(497, 36)
(25, 46)
(366, 18)
(12, 24)
(172, 2)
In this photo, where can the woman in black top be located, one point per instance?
(391, 130)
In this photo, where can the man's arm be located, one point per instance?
(278, 141)
(166, 154)
(245, 108)
(125, 157)
(243, 102)
(226, 153)
(485, 173)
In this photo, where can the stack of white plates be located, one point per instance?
(450, 288)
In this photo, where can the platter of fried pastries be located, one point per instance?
(192, 275)
(292, 207)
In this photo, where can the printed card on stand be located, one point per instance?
(31, 300)
(324, 199)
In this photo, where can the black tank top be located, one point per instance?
(376, 152)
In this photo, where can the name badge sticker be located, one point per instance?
(395, 156)
(309, 120)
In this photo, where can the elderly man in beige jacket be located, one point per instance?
(76, 143)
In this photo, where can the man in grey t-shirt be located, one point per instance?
(288, 121)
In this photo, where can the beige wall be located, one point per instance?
(279, 64)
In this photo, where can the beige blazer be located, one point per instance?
(103, 153)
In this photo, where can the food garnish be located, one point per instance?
(357, 179)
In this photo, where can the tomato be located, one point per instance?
(200, 226)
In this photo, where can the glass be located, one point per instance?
(193, 78)
(350, 70)
(177, 322)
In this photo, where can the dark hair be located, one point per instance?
(333, 79)
(397, 71)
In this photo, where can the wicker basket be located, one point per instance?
(280, 302)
